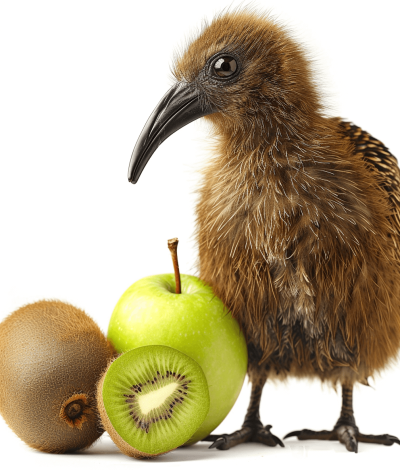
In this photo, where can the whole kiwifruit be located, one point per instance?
(51, 357)
(152, 399)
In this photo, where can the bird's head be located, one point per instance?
(245, 74)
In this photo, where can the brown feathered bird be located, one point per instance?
(298, 218)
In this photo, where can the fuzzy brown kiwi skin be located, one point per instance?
(123, 446)
(51, 357)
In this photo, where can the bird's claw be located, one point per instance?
(384, 439)
(219, 443)
(391, 439)
(292, 434)
(264, 436)
(347, 435)
(254, 433)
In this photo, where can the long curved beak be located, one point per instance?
(181, 105)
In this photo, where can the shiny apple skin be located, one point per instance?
(195, 322)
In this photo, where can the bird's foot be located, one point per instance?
(346, 434)
(250, 432)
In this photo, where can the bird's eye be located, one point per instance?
(225, 66)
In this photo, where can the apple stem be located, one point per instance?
(173, 248)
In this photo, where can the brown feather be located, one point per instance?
(298, 216)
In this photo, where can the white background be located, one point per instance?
(78, 81)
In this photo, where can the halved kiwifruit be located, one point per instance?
(152, 399)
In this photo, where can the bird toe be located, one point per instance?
(265, 436)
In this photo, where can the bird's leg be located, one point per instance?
(345, 426)
(252, 429)
(345, 429)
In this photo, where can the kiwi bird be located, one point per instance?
(298, 217)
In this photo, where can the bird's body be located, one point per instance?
(306, 256)
(298, 216)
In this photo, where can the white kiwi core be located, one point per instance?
(156, 398)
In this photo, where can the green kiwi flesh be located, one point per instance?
(51, 358)
(155, 399)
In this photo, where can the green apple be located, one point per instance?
(195, 322)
